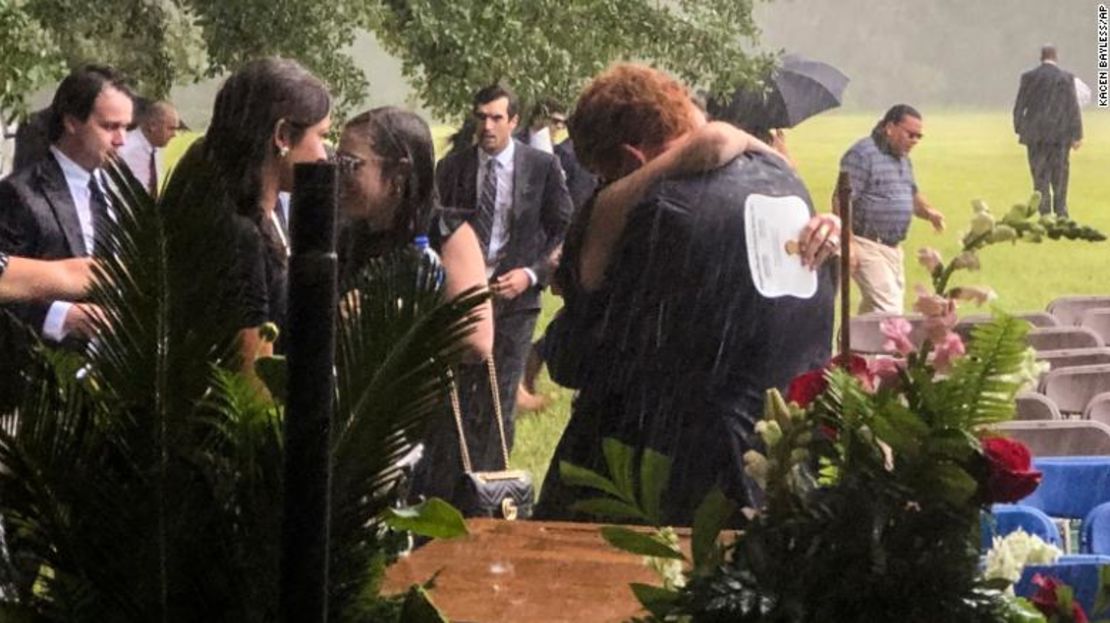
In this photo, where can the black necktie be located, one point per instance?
(152, 178)
(98, 205)
(487, 205)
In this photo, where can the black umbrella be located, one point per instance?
(795, 91)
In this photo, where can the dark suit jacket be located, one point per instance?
(38, 220)
(1047, 109)
(541, 211)
(580, 182)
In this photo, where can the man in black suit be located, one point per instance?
(516, 200)
(57, 208)
(1046, 118)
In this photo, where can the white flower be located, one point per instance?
(770, 431)
(1009, 555)
(756, 467)
(982, 223)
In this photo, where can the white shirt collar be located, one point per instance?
(1049, 61)
(75, 174)
(504, 157)
(140, 139)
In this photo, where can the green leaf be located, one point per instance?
(953, 483)
(655, 475)
(656, 600)
(709, 519)
(618, 457)
(431, 518)
(608, 507)
(639, 543)
(418, 608)
(1102, 598)
(900, 428)
(274, 372)
(581, 477)
(1065, 595)
(1021, 610)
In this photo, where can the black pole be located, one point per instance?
(844, 202)
(310, 348)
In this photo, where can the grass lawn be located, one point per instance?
(964, 156)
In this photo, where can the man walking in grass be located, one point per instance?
(876, 179)
(1047, 120)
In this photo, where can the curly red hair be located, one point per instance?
(628, 104)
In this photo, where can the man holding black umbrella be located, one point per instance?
(876, 177)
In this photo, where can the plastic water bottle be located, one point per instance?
(430, 260)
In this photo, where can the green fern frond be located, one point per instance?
(981, 387)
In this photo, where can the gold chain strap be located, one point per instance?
(464, 450)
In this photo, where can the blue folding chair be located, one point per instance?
(1095, 533)
(1006, 518)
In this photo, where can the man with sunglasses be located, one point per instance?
(876, 179)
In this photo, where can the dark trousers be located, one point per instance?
(440, 471)
(1048, 162)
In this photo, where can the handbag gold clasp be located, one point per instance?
(508, 509)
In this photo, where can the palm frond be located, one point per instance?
(142, 478)
(394, 348)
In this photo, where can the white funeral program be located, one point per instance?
(773, 226)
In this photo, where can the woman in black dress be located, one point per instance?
(268, 116)
(389, 194)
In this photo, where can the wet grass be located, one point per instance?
(964, 156)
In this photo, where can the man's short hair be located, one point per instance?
(493, 92)
(628, 104)
(897, 113)
(158, 110)
(1048, 52)
(78, 92)
(546, 107)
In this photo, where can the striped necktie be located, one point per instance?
(487, 205)
(98, 206)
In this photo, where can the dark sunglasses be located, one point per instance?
(914, 135)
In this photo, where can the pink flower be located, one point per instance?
(946, 351)
(897, 332)
(929, 258)
(976, 294)
(856, 366)
(939, 312)
(887, 371)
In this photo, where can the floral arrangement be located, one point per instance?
(875, 473)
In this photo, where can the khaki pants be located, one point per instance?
(881, 276)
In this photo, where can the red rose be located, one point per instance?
(856, 366)
(1010, 473)
(806, 388)
(1046, 601)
